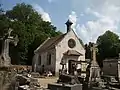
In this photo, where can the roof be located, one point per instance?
(73, 52)
(50, 42)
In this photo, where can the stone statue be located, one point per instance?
(5, 60)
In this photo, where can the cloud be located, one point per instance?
(49, 1)
(45, 16)
(81, 14)
(106, 14)
(73, 18)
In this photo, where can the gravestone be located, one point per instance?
(5, 59)
(68, 79)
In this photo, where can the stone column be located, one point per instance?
(93, 52)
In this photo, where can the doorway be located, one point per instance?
(71, 66)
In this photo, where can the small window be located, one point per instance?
(39, 62)
(49, 59)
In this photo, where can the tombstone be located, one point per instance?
(71, 78)
(66, 81)
(5, 59)
(94, 67)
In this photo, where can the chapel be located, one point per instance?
(63, 49)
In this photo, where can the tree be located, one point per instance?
(31, 30)
(88, 51)
(108, 45)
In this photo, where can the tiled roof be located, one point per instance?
(50, 43)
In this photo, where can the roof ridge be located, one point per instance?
(50, 42)
(41, 44)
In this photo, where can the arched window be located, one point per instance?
(49, 59)
(39, 60)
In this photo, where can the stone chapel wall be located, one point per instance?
(62, 47)
(44, 60)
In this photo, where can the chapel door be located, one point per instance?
(71, 66)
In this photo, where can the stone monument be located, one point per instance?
(5, 59)
(94, 67)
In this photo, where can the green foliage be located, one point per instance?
(108, 45)
(88, 51)
(29, 27)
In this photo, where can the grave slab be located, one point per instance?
(64, 87)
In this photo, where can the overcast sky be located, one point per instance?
(91, 18)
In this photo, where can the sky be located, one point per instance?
(91, 18)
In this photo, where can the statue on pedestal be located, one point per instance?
(5, 59)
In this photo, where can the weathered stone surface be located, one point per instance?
(69, 79)
(65, 87)
(35, 74)
(22, 79)
(28, 83)
(34, 82)
(7, 80)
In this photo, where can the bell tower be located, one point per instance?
(68, 24)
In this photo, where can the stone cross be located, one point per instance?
(5, 60)
(93, 52)
(94, 69)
